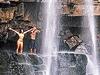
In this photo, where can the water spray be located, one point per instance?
(89, 15)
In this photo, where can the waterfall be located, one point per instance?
(90, 20)
(50, 43)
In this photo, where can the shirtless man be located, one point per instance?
(21, 34)
(33, 37)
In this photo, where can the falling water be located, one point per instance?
(49, 37)
(89, 10)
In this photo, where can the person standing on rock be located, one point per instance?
(21, 34)
(33, 34)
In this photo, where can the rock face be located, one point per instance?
(26, 64)
(13, 64)
(72, 64)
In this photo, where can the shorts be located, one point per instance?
(32, 44)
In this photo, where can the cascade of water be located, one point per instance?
(49, 37)
(89, 16)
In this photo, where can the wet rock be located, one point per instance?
(13, 64)
(72, 64)
(26, 64)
